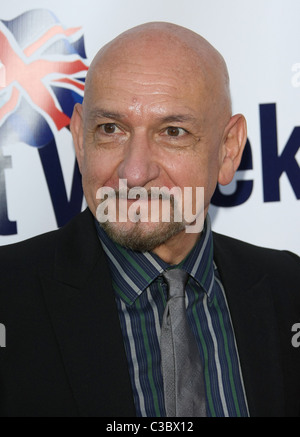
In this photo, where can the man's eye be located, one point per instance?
(177, 137)
(174, 131)
(109, 128)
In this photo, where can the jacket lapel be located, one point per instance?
(250, 302)
(82, 308)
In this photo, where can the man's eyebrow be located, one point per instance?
(102, 113)
(178, 118)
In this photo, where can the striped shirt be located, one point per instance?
(141, 298)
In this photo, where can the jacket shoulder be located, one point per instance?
(253, 255)
(242, 265)
(42, 248)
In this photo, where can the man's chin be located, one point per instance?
(142, 237)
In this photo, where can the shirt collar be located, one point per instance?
(132, 272)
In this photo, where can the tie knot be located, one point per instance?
(176, 280)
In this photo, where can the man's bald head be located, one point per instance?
(186, 52)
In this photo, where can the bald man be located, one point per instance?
(83, 306)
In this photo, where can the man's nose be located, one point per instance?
(138, 166)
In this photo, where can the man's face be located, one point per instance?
(151, 123)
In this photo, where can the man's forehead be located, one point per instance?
(138, 75)
(135, 84)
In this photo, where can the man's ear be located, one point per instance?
(76, 128)
(234, 140)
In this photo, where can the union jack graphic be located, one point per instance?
(42, 74)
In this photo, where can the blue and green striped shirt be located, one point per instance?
(141, 299)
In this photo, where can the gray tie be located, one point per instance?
(181, 365)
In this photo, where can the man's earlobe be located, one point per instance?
(235, 137)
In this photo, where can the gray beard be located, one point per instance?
(139, 238)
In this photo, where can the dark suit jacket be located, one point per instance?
(64, 353)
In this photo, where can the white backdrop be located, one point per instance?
(259, 40)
